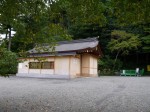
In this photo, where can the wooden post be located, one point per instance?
(80, 65)
(54, 65)
(69, 66)
(28, 65)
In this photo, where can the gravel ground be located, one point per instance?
(103, 94)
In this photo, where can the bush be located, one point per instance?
(106, 64)
(8, 62)
(106, 72)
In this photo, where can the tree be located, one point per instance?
(122, 43)
(83, 11)
(131, 11)
(34, 22)
(8, 14)
(146, 40)
(105, 65)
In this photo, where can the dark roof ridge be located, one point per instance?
(74, 45)
(89, 39)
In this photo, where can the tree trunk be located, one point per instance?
(116, 60)
(9, 41)
(6, 34)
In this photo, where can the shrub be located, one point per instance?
(106, 64)
(8, 62)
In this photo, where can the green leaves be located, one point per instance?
(84, 11)
(131, 11)
(123, 41)
(146, 40)
(8, 62)
(105, 65)
(35, 21)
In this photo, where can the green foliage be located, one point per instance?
(37, 21)
(49, 34)
(8, 62)
(49, 21)
(146, 40)
(123, 42)
(106, 64)
(131, 11)
(83, 11)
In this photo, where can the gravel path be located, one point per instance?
(103, 94)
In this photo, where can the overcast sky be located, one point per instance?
(3, 35)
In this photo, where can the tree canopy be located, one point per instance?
(131, 11)
(123, 42)
(121, 25)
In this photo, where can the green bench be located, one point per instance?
(131, 73)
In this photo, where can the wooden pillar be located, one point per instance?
(69, 67)
(28, 66)
(54, 66)
(81, 65)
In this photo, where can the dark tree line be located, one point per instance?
(124, 24)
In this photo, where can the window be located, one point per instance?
(47, 65)
(34, 65)
(41, 65)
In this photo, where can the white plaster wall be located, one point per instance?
(91, 71)
(93, 66)
(95, 63)
(95, 71)
(69, 66)
(35, 71)
(75, 67)
(89, 65)
(62, 65)
(47, 71)
(23, 67)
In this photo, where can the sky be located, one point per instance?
(3, 35)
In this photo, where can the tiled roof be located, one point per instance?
(73, 45)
